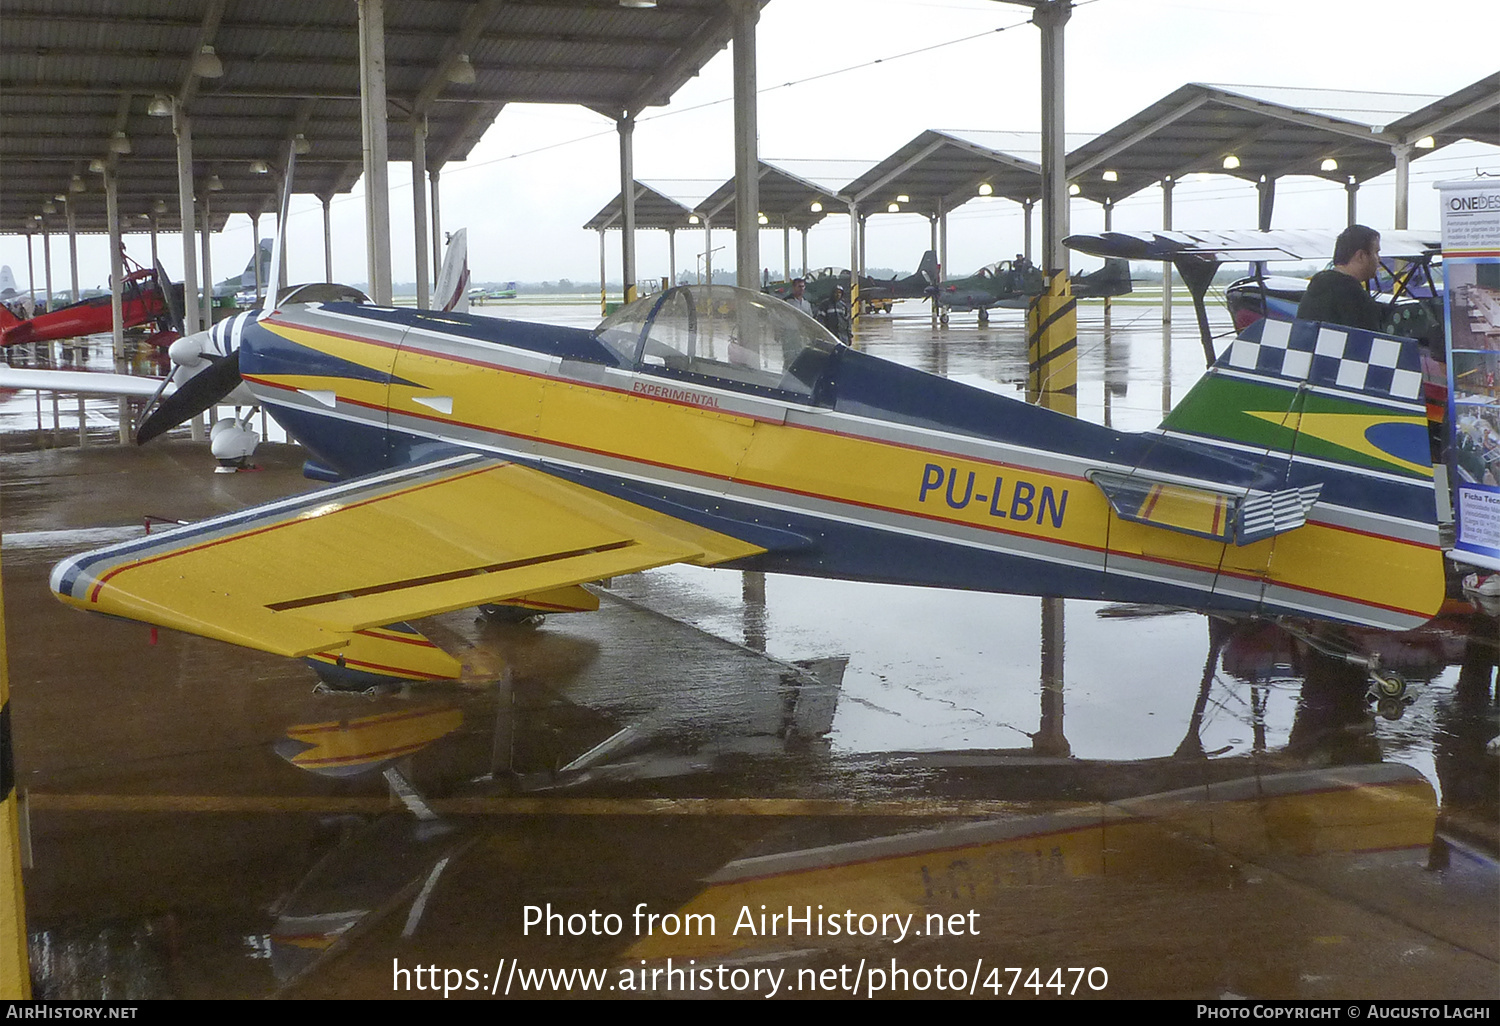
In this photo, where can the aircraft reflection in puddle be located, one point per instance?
(394, 859)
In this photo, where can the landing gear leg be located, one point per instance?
(1389, 693)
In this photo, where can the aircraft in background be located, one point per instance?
(486, 461)
(243, 285)
(143, 300)
(232, 440)
(1197, 256)
(481, 294)
(9, 293)
(874, 293)
(1006, 285)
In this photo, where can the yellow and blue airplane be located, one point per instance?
(481, 461)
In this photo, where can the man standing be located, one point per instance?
(836, 316)
(797, 299)
(1339, 295)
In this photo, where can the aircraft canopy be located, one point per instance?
(724, 336)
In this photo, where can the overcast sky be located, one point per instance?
(542, 171)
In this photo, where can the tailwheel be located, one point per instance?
(1390, 694)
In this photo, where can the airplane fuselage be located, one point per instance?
(878, 472)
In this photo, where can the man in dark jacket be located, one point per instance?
(1338, 295)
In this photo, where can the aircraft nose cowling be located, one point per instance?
(187, 352)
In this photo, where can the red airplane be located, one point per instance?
(143, 300)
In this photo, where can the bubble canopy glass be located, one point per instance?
(724, 336)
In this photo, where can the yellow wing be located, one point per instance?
(303, 575)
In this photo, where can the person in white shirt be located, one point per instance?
(797, 299)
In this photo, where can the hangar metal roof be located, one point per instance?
(1469, 113)
(75, 72)
(949, 166)
(1270, 130)
(785, 199)
(652, 210)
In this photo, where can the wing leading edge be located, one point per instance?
(306, 575)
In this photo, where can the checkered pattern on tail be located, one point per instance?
(1329, 355)
(1263, 514)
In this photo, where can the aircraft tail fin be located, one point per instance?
(452, 292)
(7, 281)
(928, 268)
(1113, 279)
(1314, 391)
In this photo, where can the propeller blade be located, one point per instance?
(169, 296)
(196, 394)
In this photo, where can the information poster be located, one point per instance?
(1471, 273)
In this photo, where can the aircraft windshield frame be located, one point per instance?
(723, 336)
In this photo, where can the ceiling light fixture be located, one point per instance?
(816, 208)
(461, 71)
(1231, 162)
(206, 63)
(159, 107)
(1329, 164)
(985, 189)
(119, 143)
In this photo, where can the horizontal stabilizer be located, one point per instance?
(1241, 517)
(1263, 514)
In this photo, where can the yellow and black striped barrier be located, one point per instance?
(15, 972)
(853, 306)
(1052, 347)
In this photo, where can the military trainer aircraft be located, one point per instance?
(874, 293)
(1004, 284)
(482, 461)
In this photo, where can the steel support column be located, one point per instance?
(182, 127)
(1166, 267)
(47, 260)
(419, 209)
(708, 252)
(746, 156)
(1265, 197)
(933, 245)
(1026, 206)
(625, 126)
(672, 254)
(373, 123)
(856, 246)
(603, 294)
(116, 294)
(1050, 18)
(1402, 153)
(73, 249)
(804, 252)
(327, 240)
(205, 236)
(437, 219)
(31, 271)
(786, 250)
(255, 255)
(1351, 202)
